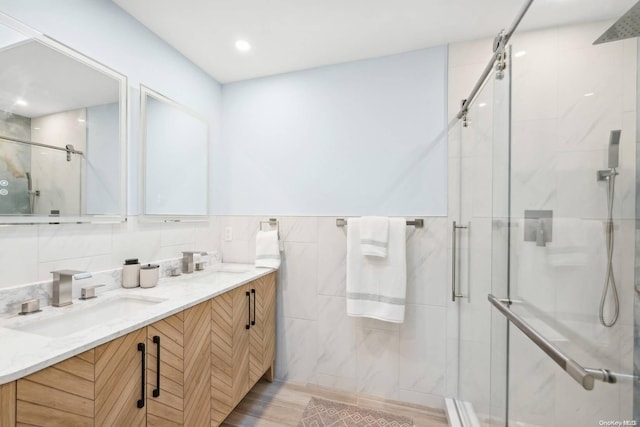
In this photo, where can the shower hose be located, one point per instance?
(610, 280)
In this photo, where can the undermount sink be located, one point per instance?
(81, 318)
(231, 268)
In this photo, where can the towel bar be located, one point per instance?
(418, 223)
(273, 222)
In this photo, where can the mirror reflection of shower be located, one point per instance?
(609, 175)
(32, 194)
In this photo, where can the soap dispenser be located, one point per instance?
(131, 273)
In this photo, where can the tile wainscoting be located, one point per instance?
(415, 362)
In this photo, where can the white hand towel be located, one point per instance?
(374, 235)
(267, 249)
(376, 287)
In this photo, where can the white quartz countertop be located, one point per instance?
(23, 353)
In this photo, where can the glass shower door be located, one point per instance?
(480, 256)
(562, 121)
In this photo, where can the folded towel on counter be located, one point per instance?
(374, 235)
(376, 287)
(267, 249)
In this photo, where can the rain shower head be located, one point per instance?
(624, 28)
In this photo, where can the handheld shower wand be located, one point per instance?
(610, 281)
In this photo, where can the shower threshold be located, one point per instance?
(460, 413)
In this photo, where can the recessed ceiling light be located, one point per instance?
(36, 128)
(81, 120)
(21, 102)
(589, 94)
(482, 104)
(520, 54)
(243, 45)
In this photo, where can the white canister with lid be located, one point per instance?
(149, 275)
(131, 273)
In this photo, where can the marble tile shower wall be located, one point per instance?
(562, 117)
(318, 343)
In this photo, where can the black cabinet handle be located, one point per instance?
(253, 322)
(156, 341)
(141, 348)
(248, 325)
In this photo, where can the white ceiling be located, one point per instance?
(49, 81)
(289, 35)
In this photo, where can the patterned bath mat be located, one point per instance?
(325, 413)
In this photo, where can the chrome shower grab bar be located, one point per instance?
(584, 376)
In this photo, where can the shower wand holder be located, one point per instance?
(604, 174)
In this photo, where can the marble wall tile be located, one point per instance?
(135, 239)
(378, 360)
(427, 271)
(332, 256)
(422, 338)
(18, 255)
(236, 251)
(299, 229)
(629, 76)
(67, 241)
(340, 383)
(91, 264)
(297, 350)
(299, 280)
(336, 338)
(423, 399)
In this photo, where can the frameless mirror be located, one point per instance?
(175, 156)
(62, 132)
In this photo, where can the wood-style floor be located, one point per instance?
(282, 404)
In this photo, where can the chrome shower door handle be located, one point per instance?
(454, 254)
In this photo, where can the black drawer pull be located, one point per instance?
(156, 341)
(248, 325)
(141, 348)
(253, 322)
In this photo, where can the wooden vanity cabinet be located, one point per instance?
(104, 386)
(210, 357)
(242, 343)
(8, 404)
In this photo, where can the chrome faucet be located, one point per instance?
(62, 285)
(188, 261)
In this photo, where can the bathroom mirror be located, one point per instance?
(175, 144)
(62, 132)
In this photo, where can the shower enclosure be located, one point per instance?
(531, 203)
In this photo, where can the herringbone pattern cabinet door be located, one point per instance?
(60, 395)
(197, 365)
(118, 371)
(262, 333)
(167, 409)
(229, 351)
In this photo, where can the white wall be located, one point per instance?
(360, 138)
(103, 31)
